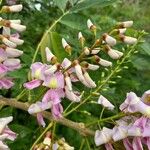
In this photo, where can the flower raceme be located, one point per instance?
(8, 51)
(5, 132)
(132, 130)
(58, 77)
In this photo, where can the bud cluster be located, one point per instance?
(9, 40)
(5, 132)
(47, 144)
(132, 130)
(59, 77)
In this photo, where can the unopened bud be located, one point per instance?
(109, 40)
(125, 24)
(14, 8)
(86, 51)
(66, 46)
(128, 39)
(81, 38)
(91, 26)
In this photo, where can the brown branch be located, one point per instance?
(24, 106)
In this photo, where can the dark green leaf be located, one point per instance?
(91, 3)
(61, 4)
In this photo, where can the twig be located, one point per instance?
(24, 106)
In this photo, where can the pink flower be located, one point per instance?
(52, 97)
(133, 104)
(37, 74)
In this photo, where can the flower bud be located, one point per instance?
(50, 56)
(18, 27)
(102, 62)
(7, 42)
(86, 51)
(12, 63)
(122, 31)
(89, 80)
(18, 21)
(90, 66)
(125, 24)
(66, 46)
(13, 8)
(52, 69)
(105, 103)
(128, 39)
(81, 38)
(16, 40)
(66, 63)
(114, 54)
(68, 81)
(146, 97)
(102, 137)
(119, 133)
(47, 139)
(95, 51)
(91, 26)
(11, 52)
(109, 40)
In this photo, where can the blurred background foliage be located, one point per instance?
(38, 15)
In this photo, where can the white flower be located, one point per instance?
(109, 40)
(16, 40)
(95, 51)
(93, 67)
(86, 51)
(18, 27)
(11, 52)
(105, 63)
(18, 21)
(4, 122)
(15, 8)
(119, 133)
(114, 54)
(127, 24)
(89, 80)
(128, 39)
(122, 31)
(103, 136)
(71, 95)
(8, 42)
(105, 103)
(68, 82)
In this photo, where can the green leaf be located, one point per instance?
(91, 3)
(56, 46)
(146, 48)
(53, 41)
(61, 4)
(75, 21)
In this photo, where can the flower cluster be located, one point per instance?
(9, 39)
(5, 132)
(59, 76)
(57, 145)
(132, 130)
